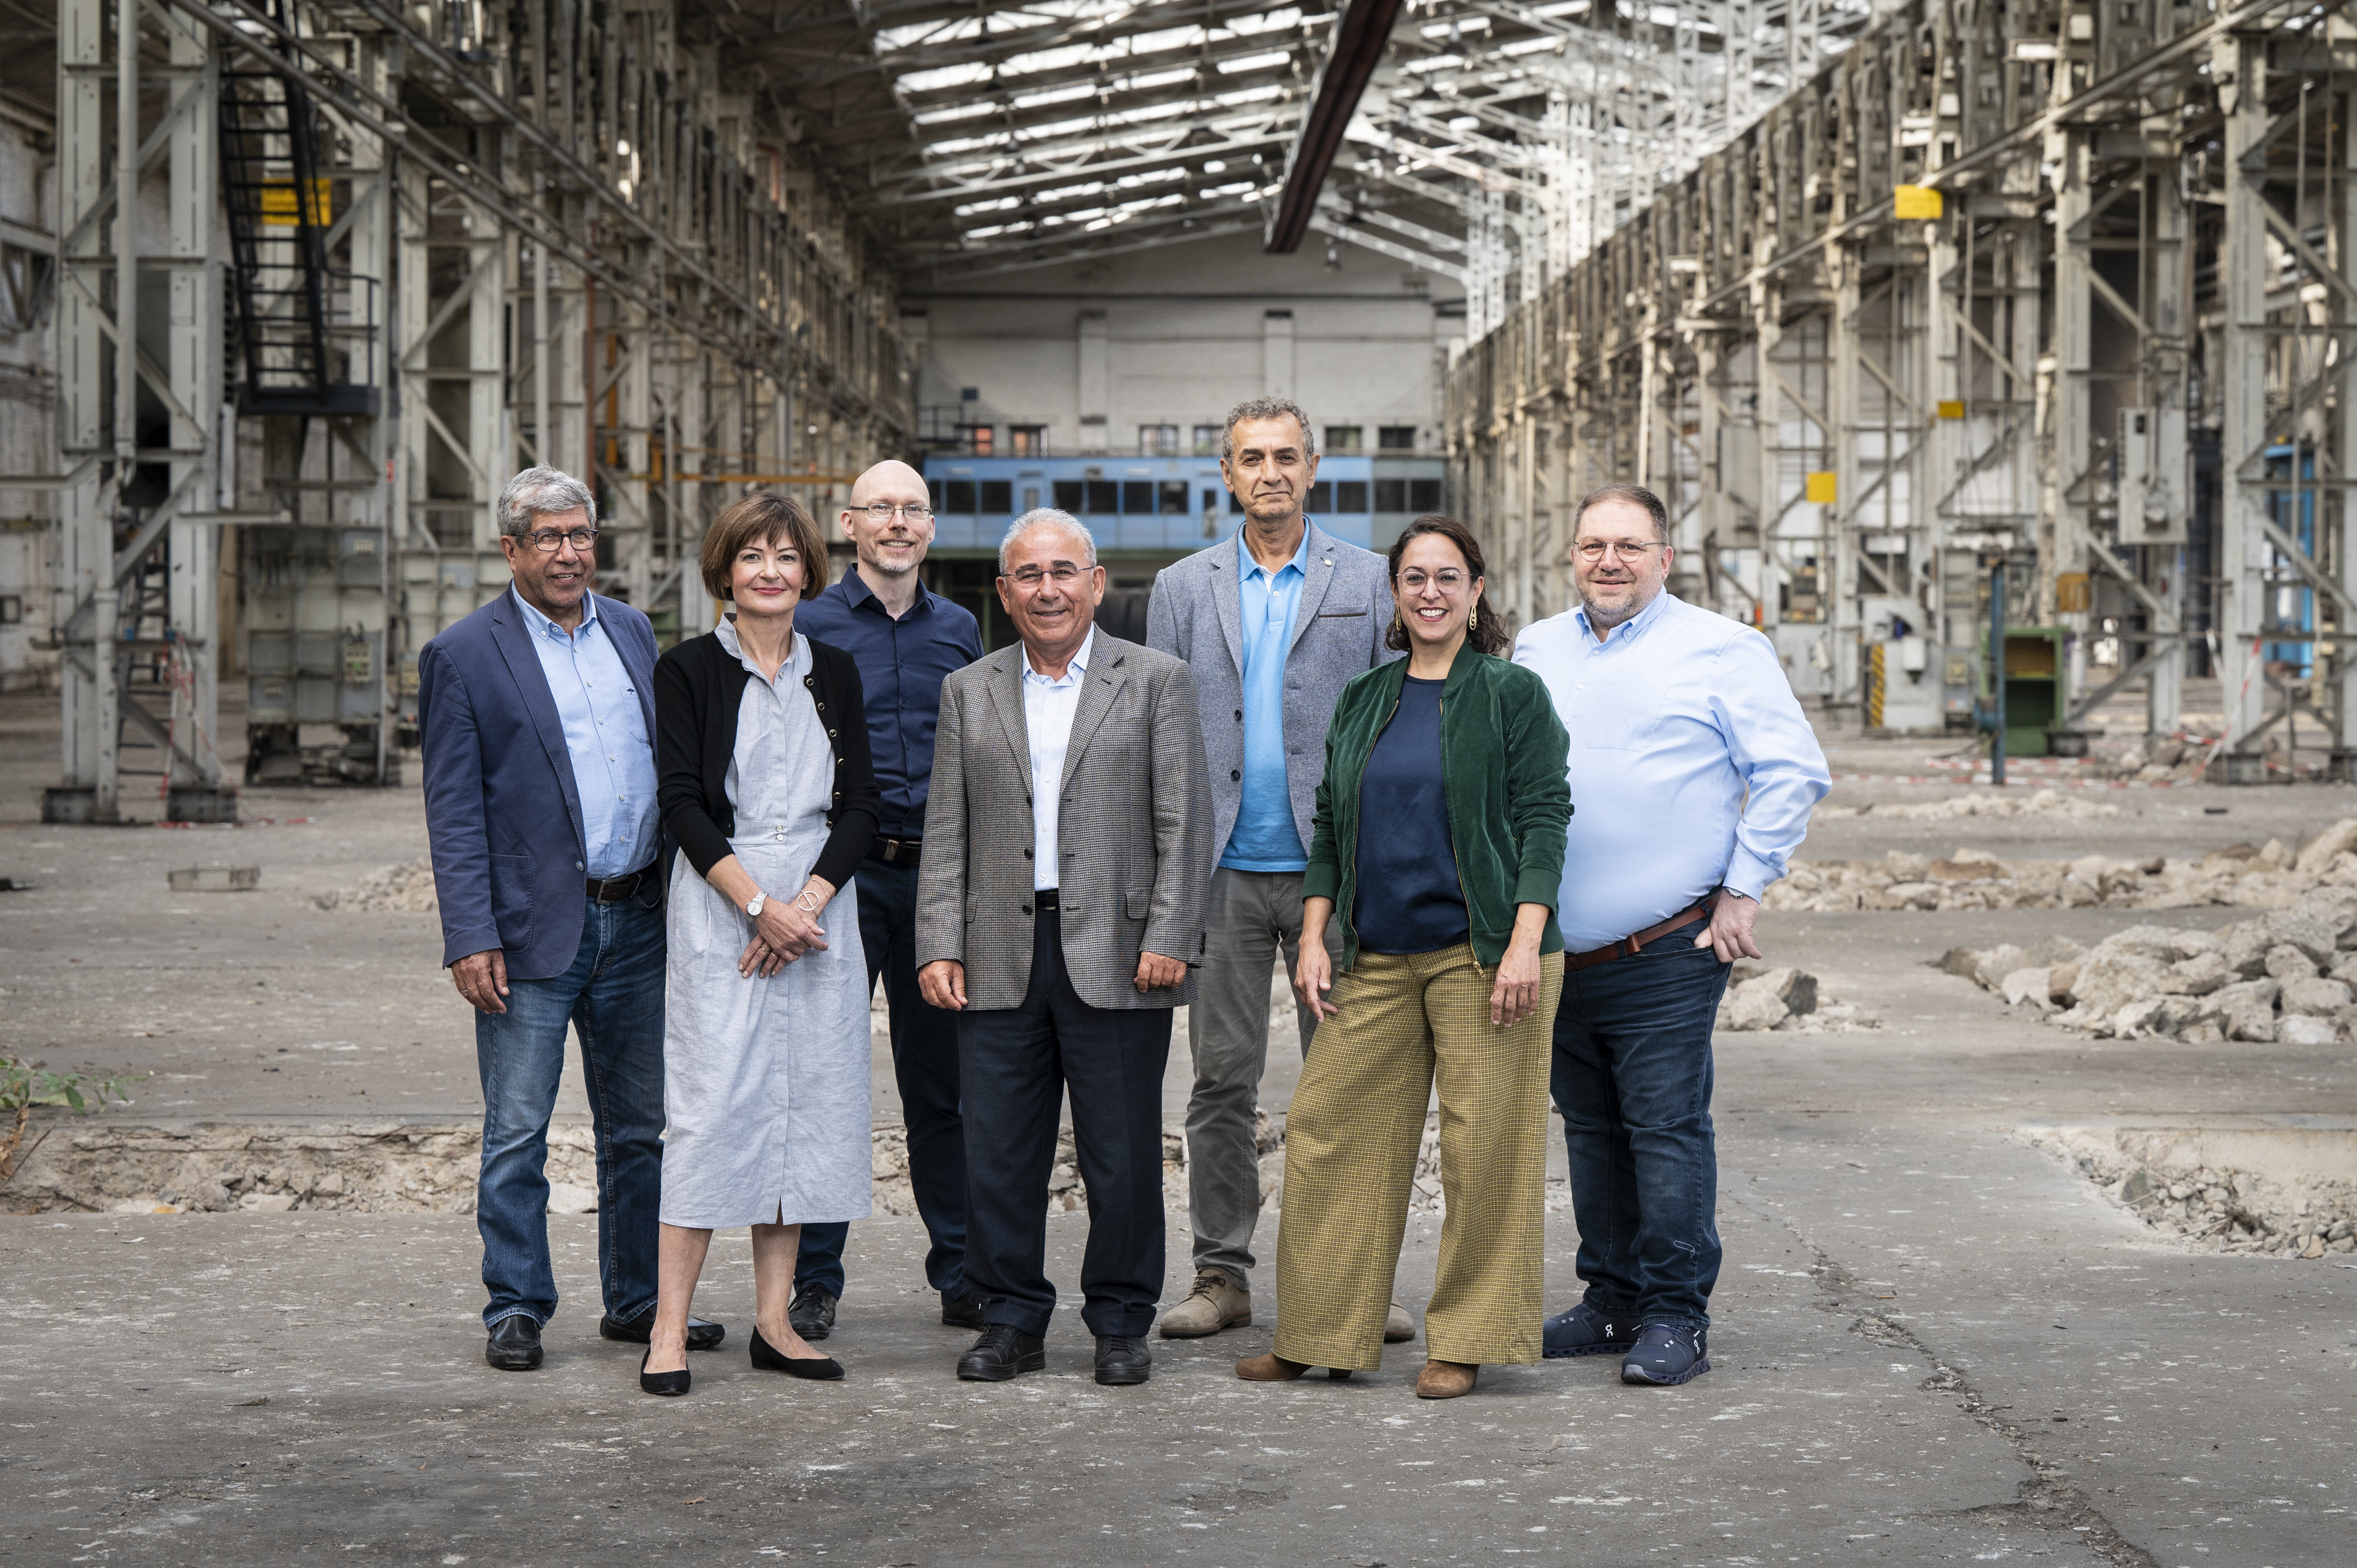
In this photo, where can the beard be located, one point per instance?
(892, 568)
(1606, 616)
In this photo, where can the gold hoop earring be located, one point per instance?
(1399, 626)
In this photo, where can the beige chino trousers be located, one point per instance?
(1409, 1025)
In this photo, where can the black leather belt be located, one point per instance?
(896, 851)
(1044, 900)
(614, 889)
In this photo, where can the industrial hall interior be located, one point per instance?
(1972, 378)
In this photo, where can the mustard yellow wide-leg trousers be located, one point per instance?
(1409, 1024)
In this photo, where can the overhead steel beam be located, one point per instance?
(1360, 39)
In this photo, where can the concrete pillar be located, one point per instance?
(2241, 270)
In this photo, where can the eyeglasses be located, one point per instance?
(1065, 575)
(880, 512)
(1448, 579)
(547, 539)
(1594, 549)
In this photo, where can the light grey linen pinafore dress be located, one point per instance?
(765, 1081)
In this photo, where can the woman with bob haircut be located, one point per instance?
(1439, 841)
(763, 775)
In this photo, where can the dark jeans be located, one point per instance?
(613, 997)
(1632, 1077)
(1016, 1064)
(925, 1064)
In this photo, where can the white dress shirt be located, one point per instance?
(1048, 710)
(1692, 766)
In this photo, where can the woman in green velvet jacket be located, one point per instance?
(1438, 842)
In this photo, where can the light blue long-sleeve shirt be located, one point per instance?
(1692, 766)
(1264, 838)
(605, 735)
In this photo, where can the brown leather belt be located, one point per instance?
(1573, 962)
(614, 889)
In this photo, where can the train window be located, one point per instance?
(957, 495)
(997, 498)
(1210, 500)
(1105, 496)
(1137, 497)
(1068, 496)
(1391, 495)
(1424, 495)
(1321, 498)
(1235, 503)
(1350, 495)
(1174, 498)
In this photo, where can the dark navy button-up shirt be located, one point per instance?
(901, 666)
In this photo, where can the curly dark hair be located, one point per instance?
(1488, 633)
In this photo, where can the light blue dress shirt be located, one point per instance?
(1264, 838)
(1048, 709)
(1692, 766)
(605, 735)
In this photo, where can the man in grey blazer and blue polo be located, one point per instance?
(1063, 949)
(1272, 623)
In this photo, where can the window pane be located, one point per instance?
(1391, 495)
(1174, 498)
(1207, 441)
(1103, 497)
(1157, 440)
(1424, 495)
(1235, 503)
(1137, 498)
(1350, 495)
(1028, 440)
(1341, 438)
(982, 442)
(1210, 500)
(1321, 498)
(1068, 496)
(958, 496)
(997, 498)
(1396, 438)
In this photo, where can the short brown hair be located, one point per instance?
(763, 518)
(1487, 633)
(1636, 496)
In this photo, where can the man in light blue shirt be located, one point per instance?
(1271, 624)
(605, 736)
(1693, 773)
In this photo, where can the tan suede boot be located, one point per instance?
(1217, 1301)
(1445, 1380)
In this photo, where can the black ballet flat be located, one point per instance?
(668, 1383)
(822, 1369)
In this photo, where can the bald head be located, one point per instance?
(892, 547)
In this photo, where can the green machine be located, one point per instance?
(2032, 702)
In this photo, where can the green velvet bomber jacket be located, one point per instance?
(1503, 753)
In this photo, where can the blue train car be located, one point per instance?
(1168, 506)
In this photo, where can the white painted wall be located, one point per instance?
(1178, 333)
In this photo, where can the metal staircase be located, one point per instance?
(293, 354)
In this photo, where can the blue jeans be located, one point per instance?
(925, 1064)
(613, 995)
(1632, 1078)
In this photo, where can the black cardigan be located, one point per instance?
(698, 689)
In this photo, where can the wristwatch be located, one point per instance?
(753, 910)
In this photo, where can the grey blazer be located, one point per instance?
(1132, 830)
(1196, 615)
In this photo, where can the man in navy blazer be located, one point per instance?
(537, 716)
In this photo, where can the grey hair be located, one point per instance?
(542, 489)
(1635, 495)
(1045, 516)
(1266, 408)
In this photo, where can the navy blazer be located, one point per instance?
(502, 809)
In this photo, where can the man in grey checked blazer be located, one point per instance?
(1060, 909)
(1272, 623)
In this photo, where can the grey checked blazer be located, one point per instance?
(1132, 830)
(1197, 615)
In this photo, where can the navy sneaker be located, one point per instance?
(1584, 1331)
(1666, 1355)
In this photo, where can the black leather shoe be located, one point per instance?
(1123, 1359)
(703, 1333)
(962, 1309)
(769, 1359)
(660, 1382)
(812, 1312)
(514, 1343)
(1001, 1353)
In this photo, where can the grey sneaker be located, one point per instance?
(1584, 1331)
(1217, 1301)
(1666, 1355)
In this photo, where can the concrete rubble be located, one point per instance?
(2267, 876)
(1789, 999)
(2224, 1208)
(404, 889)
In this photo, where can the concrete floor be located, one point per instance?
(1934, 1342)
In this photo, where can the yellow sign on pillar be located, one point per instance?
(278, 204)
(1823, 490)
(1952, 408)
(1914, 201)
(2070, 591)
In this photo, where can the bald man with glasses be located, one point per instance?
(906, 639)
